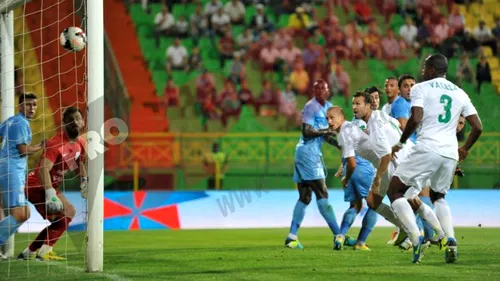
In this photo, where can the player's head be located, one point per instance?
(405, 83)
(73, 122)
(435, 66)
(335, 117)
(461, 123)
(391, 87)
(362, 105)
(375, 94)
(28, 105)
(320, 90)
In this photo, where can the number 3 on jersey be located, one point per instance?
(446, 101)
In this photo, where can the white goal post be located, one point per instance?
(95, 113)
(95, 102)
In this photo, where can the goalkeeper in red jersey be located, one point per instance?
(64, 152)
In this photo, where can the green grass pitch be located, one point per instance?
(258, 254)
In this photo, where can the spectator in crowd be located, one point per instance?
(496, 30)
(426, 5)
(164, 25)
(268, 58)
(318, 38)
(441, 32)
(409, 32)
(182, 27)
(299, 78)
(265, 98)
(372, 44)
(435, 15)
(465, 71)
(236, 11)
(287, 106)
(170, 95)
(456, 21)
(483, 73)
(483, 34)
(177, 57)
(355, 45)
(300, 22)
(336, 44)
(341, 82)
(260, 21)
(311, 56)
(212, 7)
(198, 24)
(424, 33)
(409, 8)
(230, 107)
(289, 55)
(195, 60)
(281, 39)
(391, 48)
(245, 94)
(363, 12)
(237, 69)
(226, 91)
(389, 8)
(205, 87)
(244, 41)
(226, 48)
(469, 44)
(220, 22)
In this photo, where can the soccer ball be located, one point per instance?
(73, 39)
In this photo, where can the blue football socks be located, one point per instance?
(298, 215)
(8, 226)
(328, 214)
(369, 221)
(348, 220)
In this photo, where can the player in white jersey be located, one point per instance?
(392, 92)
(383, 133)
(436, 106)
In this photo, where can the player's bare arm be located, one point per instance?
(308, 131)
(25, 150)
(332, 141)
(351, 166)
(411, 126)
(475, 133)
(402, 123)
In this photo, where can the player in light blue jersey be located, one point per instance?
(357, 180)
(16, 139)
(309, 169)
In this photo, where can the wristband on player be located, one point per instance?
(84, 179)
(400, 144)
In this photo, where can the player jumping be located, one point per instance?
(436, 105)
(16, 139)
(309, 172)
(64, 152)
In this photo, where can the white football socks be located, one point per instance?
(386, 212)
(45, 249)
(443, 213)
(430, 217)
(405, 214)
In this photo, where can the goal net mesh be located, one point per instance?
(58, 78)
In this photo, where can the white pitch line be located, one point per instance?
(110, 276)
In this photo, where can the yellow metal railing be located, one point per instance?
(167, 150)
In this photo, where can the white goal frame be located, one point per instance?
(95, 116)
